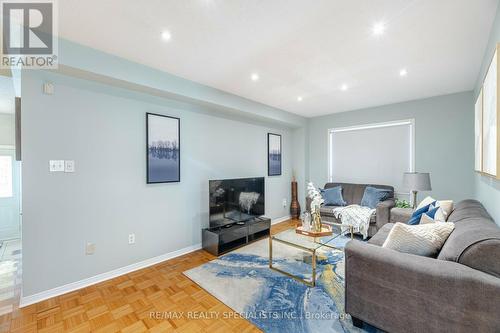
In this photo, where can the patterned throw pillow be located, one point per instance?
(446, 207)
(423, 240)
(417, 215)
(436, 213)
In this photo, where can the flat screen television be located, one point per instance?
(236, 200)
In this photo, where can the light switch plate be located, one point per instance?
(56, 165)
(48, 88)
(69, 166)
(89, 248)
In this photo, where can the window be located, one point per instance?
(372, 154)
(5, 177)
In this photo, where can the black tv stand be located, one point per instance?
(219, 240)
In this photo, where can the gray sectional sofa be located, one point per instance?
(352, 194)
(459, 291)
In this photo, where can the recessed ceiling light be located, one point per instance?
(166, 35)
(378, 28)
(344, 87)
(403, 72)
(299, 99)
(255, 77)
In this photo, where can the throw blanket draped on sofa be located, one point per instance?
(356, 216)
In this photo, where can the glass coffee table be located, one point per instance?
(306, 243)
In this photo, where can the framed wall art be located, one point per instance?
(163, 149)
(274, 156)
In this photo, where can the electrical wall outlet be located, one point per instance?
(89, 248)
(69, 166)
(56, 165)
(284, 202)
(131, 238)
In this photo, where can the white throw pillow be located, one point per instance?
(422, 239)
(427, 201)
(447, 206)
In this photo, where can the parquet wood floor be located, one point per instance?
(155, 299)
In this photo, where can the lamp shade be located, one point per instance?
(416, 181)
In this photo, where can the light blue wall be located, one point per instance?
(300, 167)
(487, 190)
(444, 132)
(82, 61)
(107, 197)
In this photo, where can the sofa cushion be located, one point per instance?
(483, 256)
(475, 242)
(381, 235)
(326, 210)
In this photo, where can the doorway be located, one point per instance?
(10, 195)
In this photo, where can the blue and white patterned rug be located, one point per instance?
(274, 302)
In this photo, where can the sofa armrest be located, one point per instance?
(400, 292)
(384, 212)
(402, 215)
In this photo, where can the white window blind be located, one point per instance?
(372, 154)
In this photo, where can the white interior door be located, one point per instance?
(9, 195)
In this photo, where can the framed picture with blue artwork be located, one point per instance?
(163, 159)
(273, 154)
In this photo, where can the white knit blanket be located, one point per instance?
(356, 216)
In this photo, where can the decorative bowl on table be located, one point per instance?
(326, 230)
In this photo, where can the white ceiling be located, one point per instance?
(298, 47)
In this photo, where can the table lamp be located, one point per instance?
(416, 181)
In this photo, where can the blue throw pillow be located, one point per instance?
(373, 196)
(333, 196)
(415, 217)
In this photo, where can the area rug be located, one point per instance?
(275, 302)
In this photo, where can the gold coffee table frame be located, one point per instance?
(340, 226)
(298, 242)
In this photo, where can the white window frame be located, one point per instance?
(410, 122)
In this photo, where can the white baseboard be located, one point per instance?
(41, 296)
(281, 219)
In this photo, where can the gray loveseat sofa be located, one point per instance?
(353, 194)
(459, 291)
